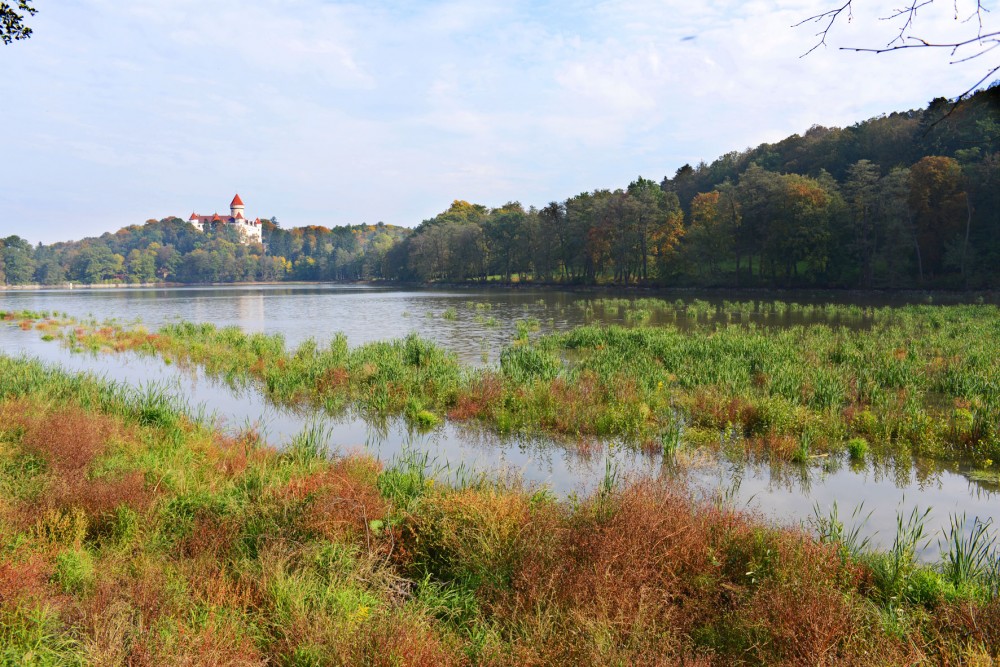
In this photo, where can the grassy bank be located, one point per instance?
(868, 382)
(131, 533)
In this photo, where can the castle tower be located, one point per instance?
(236, 206)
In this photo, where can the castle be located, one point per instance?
(250, 230)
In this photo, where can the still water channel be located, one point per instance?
(476, 324)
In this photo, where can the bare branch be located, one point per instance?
(831, 17)
(995, 44)
(979, 44)
(910, 13)
(922, 43)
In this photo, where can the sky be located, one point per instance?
(320, 112)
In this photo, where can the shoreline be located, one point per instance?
(909, 295)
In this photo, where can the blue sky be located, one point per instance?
(321, 112)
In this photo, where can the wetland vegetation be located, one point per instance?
(133, 533)
(784, 381)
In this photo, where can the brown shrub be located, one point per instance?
(220, 642)
(772, 445)
(231, 455)
(333, 381)
(483, 394)
(68, 438)
(709, 409)
(341, 499)
(394, 640)
(23, 579)
(211, 536)
(805, 607)
(964, 625)
(628, 569)
(99, 498)
(576, 407)
(634, 579)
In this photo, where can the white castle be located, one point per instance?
(250, 230)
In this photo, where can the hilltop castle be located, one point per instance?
(250, 230)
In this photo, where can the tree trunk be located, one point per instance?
(965, 244)
(916, 244)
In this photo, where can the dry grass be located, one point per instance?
(68, 439)
(341, 500)
(650, 577)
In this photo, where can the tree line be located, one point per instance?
(172, 250)
(898, 201)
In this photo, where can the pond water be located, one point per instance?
(476, 324)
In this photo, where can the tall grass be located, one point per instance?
(126, 539)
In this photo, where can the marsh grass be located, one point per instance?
(971, 556)
(224, 551)
(911, 380)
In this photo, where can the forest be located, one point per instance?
(900, 201)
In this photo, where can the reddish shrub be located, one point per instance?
(629, 568)
(484, 394)
(99, 498)
(388, 641)
(576, 407)
(219, 642)
(333, 381)
(977, 625)
(25, 579)
(68, 439)
(342, 499)
(232, 455)
(772, 445)
(708, 409)
(210, 535)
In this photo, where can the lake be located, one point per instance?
(476, 324)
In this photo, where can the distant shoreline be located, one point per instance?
(76, 286)
(913, 295)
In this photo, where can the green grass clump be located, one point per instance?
(74, 570)
(857, 448)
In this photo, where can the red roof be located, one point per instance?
(239, 216)
(215, 218)
(236, 201)
(194, 216)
